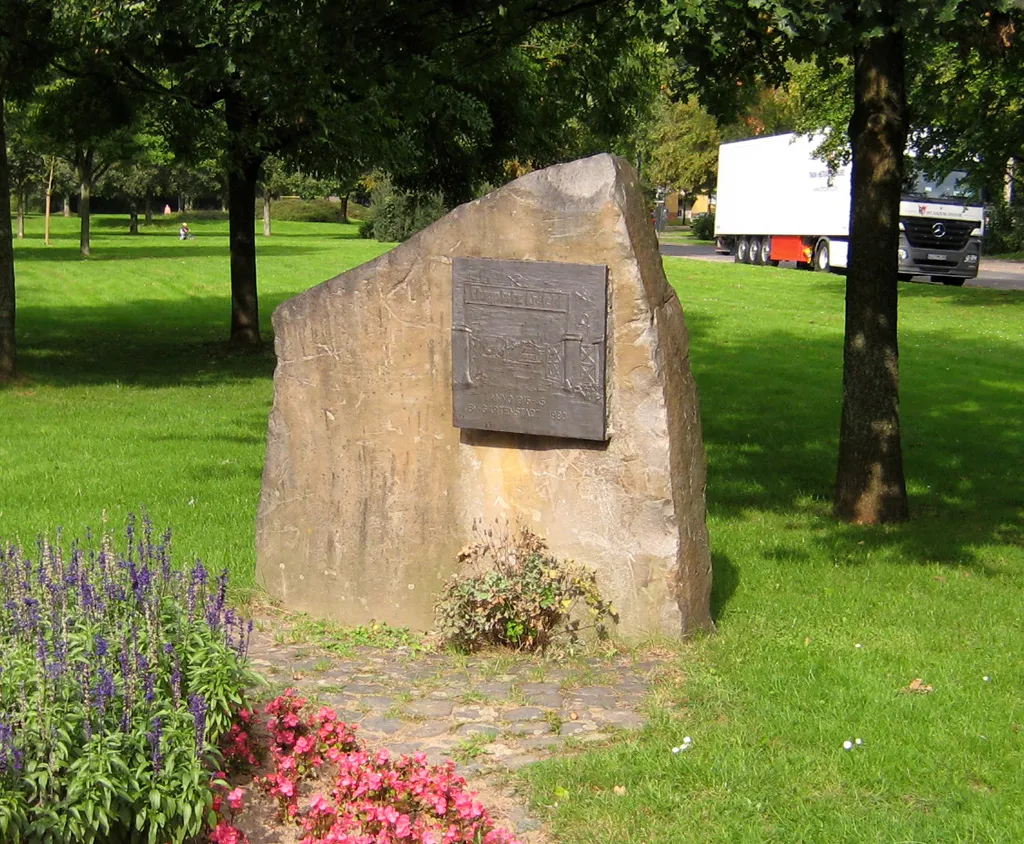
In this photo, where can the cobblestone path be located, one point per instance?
(491, 714)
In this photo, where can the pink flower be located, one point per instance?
(225, 833)
(235, 799)
(467, 807)
(319, 805)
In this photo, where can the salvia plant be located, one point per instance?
(118, 676)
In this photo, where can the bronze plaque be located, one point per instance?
(528, 347)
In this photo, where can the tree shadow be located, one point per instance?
(770, 408)
(139, 342)
(145, 248)
(725, 578)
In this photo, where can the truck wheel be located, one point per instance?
(822, 262)
(766, 253)
(741, 256)
(949, 282)
(754, 251)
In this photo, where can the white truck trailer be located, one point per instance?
(777, 202)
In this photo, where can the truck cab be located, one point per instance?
(941, 227)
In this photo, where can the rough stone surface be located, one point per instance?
(369, 491)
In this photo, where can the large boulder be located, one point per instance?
(369, 490)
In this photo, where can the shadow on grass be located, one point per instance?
(145, 248)
(160, 227)
(141, 342)
(725, 580)
(770, 408)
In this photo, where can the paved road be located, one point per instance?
(994, 274)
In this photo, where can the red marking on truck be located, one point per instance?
(789, 248)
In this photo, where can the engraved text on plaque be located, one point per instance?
(528, 347)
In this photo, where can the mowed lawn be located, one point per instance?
(821, 626)
(129, 397)
(129, 400)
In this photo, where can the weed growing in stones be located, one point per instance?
(513, 593)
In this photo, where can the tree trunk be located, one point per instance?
(245, 322)
(149, 210)
(243, 172)
(870, 485)
(48, 205)
(67, 206)
(7, 345)
(84, 198)
(266, 213)
(20, 196)
(344, 208)
(133, 218)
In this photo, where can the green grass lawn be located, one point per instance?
(821, 625)
(129, 399)
(681, 236)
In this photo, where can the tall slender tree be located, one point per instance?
(734, 42)
(24, 47)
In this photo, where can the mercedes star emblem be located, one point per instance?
(939, 230)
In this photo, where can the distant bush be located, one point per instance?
(304, 211)
(703, 227)
(1005, 229)
(396, 215)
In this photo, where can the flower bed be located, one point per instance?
(122, 695)
(118, 677)
(327, 785)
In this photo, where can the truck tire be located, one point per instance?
(754, 250)
(766, 253)
(949, 282)
(742, 255)
(822, 260)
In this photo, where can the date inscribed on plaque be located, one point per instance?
(528, 347)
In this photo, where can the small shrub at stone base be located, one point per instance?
(515, 594)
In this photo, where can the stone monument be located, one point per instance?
(524, 357)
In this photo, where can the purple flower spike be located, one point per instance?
(10, 756)
(197, 706)
(154, 736)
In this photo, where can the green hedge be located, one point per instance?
(303, 211)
